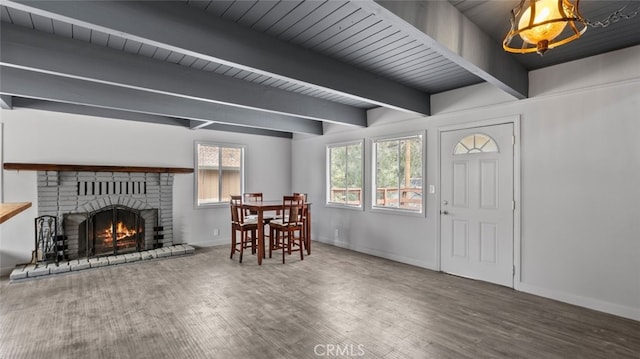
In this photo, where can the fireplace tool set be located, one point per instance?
(49, 246)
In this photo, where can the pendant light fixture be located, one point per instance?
(539, 25)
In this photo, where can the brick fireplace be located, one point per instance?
(89, 204)
(105, 215)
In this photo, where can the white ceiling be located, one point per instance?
(268, 67)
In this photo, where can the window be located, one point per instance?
(344, 174)
(219, 172)
(476, 143)
(397, 173)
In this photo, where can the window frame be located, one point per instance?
(328, 149)
(221, 145)
(374, 169)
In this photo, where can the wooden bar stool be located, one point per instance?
(306, 219)
(283, 230)
(245, 227)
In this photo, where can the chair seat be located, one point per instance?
(283, 223)
(250, 221)
(254, 218)
(247, 225)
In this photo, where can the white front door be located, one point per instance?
(477, 203)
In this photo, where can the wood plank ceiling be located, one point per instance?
(264, 66)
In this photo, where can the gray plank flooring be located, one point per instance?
(335, 303)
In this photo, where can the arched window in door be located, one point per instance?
(476, 143)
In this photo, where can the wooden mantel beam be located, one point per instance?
(92, 168)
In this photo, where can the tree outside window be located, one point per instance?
(345, 174)
(219, 172)
(398, 173)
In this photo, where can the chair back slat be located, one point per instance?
(304, 195)
(237, 215)
(252, 197)
(304, 199)
(292, 206)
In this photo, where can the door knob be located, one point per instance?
(444, 212)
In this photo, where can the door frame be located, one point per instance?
(515, 120)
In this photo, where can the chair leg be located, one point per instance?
(233, 243)
(308, 232)
(283, 248)
(243, 241)
(271, 241)
(253, 242)
(265, 235)
(290, 238)
(301, 241)
(264, 251)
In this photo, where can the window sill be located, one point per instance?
(212, 205)
(343, 206)
(397, 211)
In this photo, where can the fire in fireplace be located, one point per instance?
(112, 230)
(123, 235)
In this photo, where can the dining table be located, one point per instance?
(260, 207)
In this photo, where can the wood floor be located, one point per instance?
(335, 303)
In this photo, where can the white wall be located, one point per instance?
(580, 156)
(32, 136)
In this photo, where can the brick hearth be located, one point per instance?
(30, 271)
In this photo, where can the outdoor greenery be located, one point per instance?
(346, 173)
(398, 172)
(398, 165)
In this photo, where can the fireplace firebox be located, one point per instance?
(111, 230)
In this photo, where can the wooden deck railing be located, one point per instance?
(352, 194)
(389, 197)
(384, 196)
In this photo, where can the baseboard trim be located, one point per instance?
(381, 254)
(212, 243)
(586, 302)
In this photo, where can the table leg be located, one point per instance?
(307, 233)
(260, 237)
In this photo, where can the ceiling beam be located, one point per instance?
(33, 104)
(34, 50)
(107, 113)
(441, 26)
(196, 125)
(212, 125)
(61, 107)
(177, 27)
(30, 84)
(6, 102)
